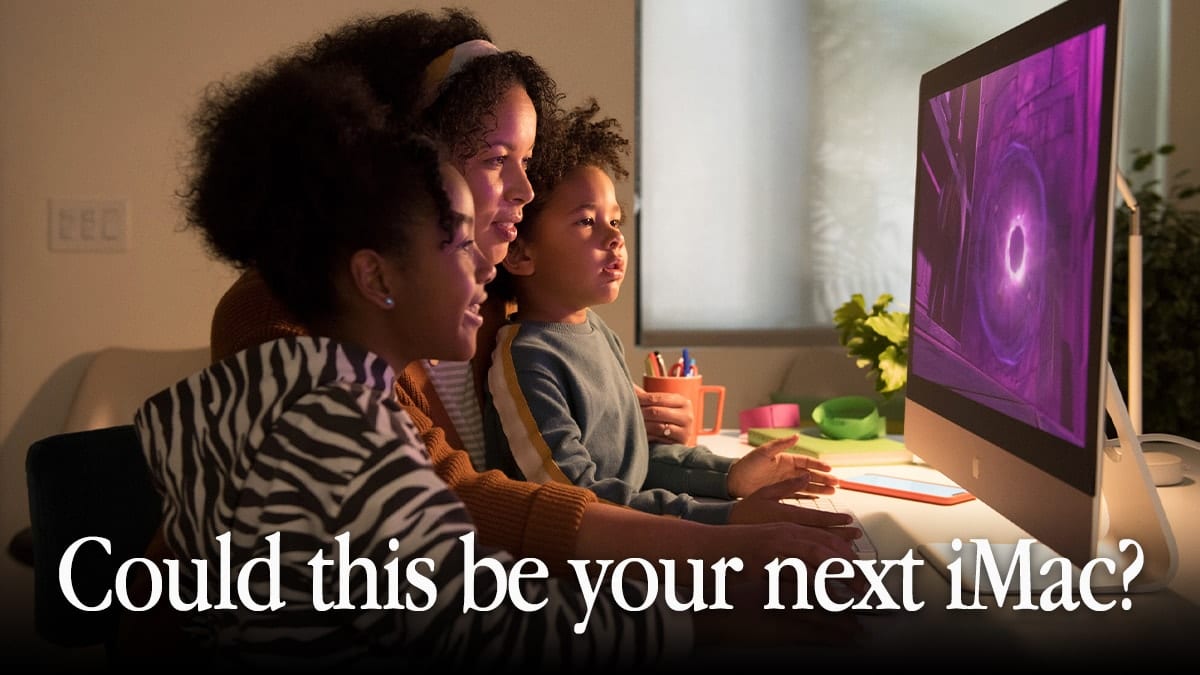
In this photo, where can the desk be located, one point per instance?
(1158, 626)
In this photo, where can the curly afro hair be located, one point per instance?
(573, 139)
(295, 167)
(392, 52)
(462, 114)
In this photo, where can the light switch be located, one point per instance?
(89, 225)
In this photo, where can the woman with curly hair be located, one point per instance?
(432, 72)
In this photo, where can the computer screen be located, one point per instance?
(1011, 273)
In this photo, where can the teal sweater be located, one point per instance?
(562, 408)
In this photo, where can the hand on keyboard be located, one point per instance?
(771, 465)
(862, 545)
(774, 504)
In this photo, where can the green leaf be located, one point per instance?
(893, 371)
(848, 318)
(881, 303)
(855, 308)
(892, 326)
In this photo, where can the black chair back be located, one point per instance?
(91, 483)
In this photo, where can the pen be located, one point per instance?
(662, 367)
(685, 363)
(649, 367)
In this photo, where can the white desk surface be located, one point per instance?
(1159, 624)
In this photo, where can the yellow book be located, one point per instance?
(882, 450)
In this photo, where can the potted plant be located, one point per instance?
(1170, 299)
(877, 339)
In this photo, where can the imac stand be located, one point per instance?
(1129, 509)
(1133, 508)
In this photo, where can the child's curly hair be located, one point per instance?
(573, 139)
(295, 167)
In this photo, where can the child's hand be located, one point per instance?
(768, 464)
(668, 416)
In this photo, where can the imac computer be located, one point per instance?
(1009, 386)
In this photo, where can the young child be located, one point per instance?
(563, 405)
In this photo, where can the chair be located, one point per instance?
(92, 483)
(120, 379)
(117, 381)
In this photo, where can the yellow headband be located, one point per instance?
(450, 62)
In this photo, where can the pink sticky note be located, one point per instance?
(770, 416)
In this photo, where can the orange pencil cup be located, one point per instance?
(693, 388)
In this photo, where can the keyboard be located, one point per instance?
(862, 546)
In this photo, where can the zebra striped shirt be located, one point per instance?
(301, 437)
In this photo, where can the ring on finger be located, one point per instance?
(666, 430)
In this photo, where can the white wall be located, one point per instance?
(93, 101)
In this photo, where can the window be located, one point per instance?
(776, 148)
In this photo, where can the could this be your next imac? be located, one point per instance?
(1009, 382)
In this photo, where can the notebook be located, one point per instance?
(882, 450)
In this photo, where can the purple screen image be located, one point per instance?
(1005, 237)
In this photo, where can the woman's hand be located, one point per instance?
(769, 464)
(668, 416)
(764, 506)
(762, 544)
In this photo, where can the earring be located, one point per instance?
(389, 302)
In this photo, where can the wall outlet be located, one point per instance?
(89, 225)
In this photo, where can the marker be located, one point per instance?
(662, 366)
